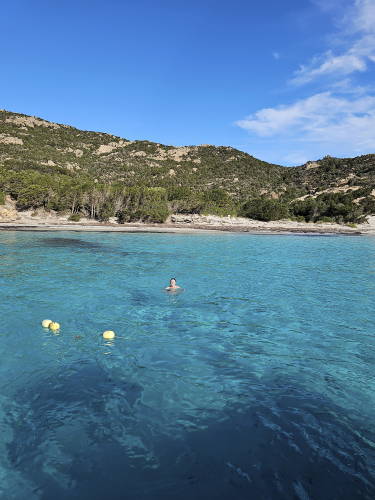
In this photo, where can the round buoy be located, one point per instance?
(46, 323)
(54, 326)
(109, 334)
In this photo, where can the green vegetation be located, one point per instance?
(45, 165)
(265, 209)
(75, 218)
(2, 198)
(329, 207)
(143, 204)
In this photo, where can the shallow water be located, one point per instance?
(256, 382)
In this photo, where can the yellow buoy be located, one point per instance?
(54, 326)
(109, 334)
(46, 323)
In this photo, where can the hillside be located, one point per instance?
(58, 167)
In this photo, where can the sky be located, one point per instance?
(286, 81)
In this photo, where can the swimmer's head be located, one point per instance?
(172, 282)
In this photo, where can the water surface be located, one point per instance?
(257, 382)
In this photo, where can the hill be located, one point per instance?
(59, 167)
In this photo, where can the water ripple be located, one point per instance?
(256, 382)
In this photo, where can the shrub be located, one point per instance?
(328, 207)
(309, 209)
(368, 205)
(105, 212)
(185, 200)
(340, 207)
(325, 219)
(218, 202)
(2, 198)
(32, 196)
(299, 218)
(75, 218)
(265, 209)
(143, 204)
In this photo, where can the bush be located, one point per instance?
(308, 209)
(325, 219)
(105, 212)
(143, 204)
(265, 209)
(75, 218)
(218, 202)
(2, 198)
(368, 205)
(328, 207)
(32, 196)
(185, 200)
(340, 207)
(299, 218)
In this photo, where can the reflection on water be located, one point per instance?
(256, 382)
(106, 443)
(76, 244)
(71, 243)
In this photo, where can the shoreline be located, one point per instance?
(12, 219)
(266, 228)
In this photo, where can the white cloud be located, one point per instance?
(330, 65)
(340, 118)
(358, 24)
(322, 118)
(362, 16)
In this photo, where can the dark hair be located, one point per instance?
(173, 279)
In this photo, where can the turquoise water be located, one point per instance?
(257, 382)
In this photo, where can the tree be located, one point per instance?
(32, 196)
(144, 204)
(265, 209)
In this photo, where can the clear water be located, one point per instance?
(256, 382)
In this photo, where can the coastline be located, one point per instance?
(180, 228)
(41, 220)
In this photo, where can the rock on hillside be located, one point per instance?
(31, 143)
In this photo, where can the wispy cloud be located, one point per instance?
(328, 64)
(322, 118)
(276, 55)
(340, 118)
(362, 16)
(358, 34)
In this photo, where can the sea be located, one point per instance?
(255, 381)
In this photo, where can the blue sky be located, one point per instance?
(284, 81)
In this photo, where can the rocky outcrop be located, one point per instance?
(8, 214)
(213, 220)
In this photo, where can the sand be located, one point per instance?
(11, 219)
(253, 227)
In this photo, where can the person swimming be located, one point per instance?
(172, 285)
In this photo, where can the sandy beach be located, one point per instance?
(185, 224)
(12, 219)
